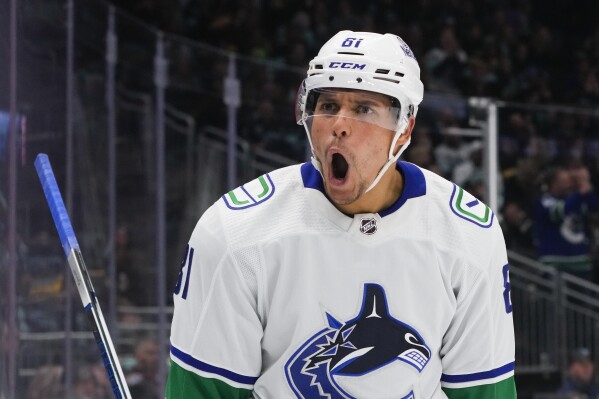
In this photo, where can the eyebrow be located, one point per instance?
(370, 102)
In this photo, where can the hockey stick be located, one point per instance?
(84, 284)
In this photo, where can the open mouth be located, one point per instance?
(339, 166)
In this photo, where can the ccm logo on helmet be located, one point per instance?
(346, 65)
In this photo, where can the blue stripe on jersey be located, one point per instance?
(414, 183)
(414, 186)
(311, 177)
(198, 364)
(483, 375)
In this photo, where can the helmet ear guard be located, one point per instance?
(405, 120)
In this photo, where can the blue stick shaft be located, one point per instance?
(84, 285)
(56, 204)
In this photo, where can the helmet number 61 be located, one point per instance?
(351, 42)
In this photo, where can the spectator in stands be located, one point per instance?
(517, 229)
(481, 79)
(517, 131)
(420, 155)
(131, 282)
(421, 151)
(471, 168)
(143, 380)
(127, 315)
(446, 65)
(47, 383)
(91, 382)
(41, 284)
(450, 153)
(580, 382)
(517, 183)
(560, 215)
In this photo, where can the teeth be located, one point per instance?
(339, 165)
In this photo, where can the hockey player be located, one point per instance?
(355, 275)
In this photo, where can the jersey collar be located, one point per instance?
(414, 183)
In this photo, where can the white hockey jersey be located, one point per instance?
(282, 295)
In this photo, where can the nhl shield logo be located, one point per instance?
(368, 226)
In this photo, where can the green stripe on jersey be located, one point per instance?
(250, 194)
(505, 389)
(568, 263)
(467, 207)
(183, 384)
(483, 219)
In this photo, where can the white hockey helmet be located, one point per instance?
(364, 61)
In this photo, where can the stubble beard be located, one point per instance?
(346, 200)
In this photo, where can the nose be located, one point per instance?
(341, 126)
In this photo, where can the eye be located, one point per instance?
(363, 109)
(328, 107)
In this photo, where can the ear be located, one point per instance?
(406, 134)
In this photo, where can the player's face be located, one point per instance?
(351, 133)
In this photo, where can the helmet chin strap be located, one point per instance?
(316, 164)
(391, 161)
(313, 159)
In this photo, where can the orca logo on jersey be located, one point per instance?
(368, 226)
(371, 340)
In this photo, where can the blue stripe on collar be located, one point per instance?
(311, 177)
(414, 183)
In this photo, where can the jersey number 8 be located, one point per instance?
(507, 287)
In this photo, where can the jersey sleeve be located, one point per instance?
(216, 332)
(478, 348)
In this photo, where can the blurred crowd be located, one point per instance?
(525, 51)
(517, 50)
(91, 382)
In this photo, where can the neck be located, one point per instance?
(381, 197)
